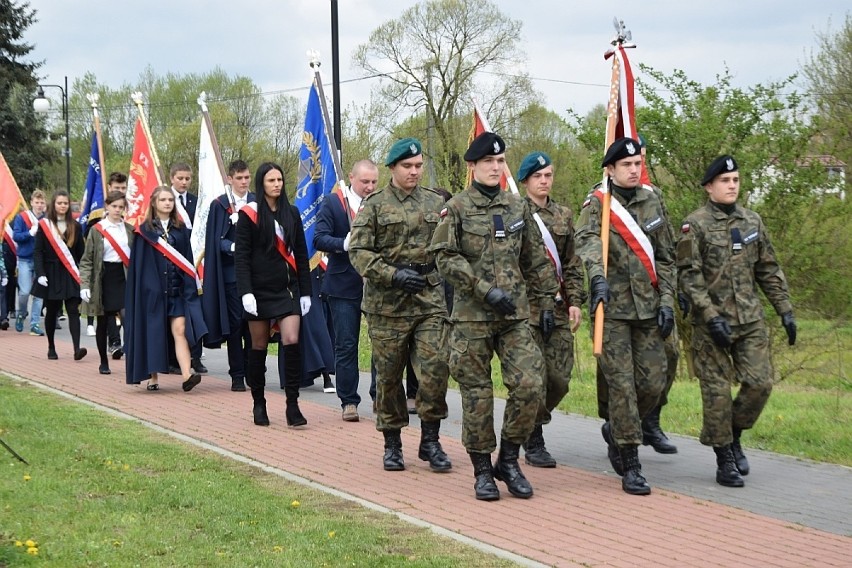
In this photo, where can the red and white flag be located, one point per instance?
(626, 113)
(11, 202)
(143, 178)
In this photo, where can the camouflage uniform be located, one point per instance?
(474, 260)
(722, 281)
(558, 353)
(633, 359)
(393, 230)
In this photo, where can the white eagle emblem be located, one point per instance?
(541, 160)
(413, 149)
(730, 164)
(496, 147)
(631, 149)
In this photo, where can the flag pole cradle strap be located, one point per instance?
(60, 248)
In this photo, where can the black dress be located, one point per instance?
(60, 284)
(264, 272)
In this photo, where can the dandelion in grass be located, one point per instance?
(295, 504)
(126, 467)
(19, 543)
(27, 477)
(331, 534)
(277, 548)
(32, 550)
(31, 543)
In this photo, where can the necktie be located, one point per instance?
(182, 202)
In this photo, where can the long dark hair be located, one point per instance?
(72, 228)
(151, 215)
(266, 216)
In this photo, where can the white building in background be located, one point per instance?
(835, 177)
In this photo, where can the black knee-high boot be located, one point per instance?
(292, 377)
(101, 342)
(256, 379)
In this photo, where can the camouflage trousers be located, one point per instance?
(472, 346)
(423, 340)
(746, 362)
(634, 364)
(672, 347)
(558, 354)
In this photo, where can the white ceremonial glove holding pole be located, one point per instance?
(305, 303)
(346, 242)
(42, 280)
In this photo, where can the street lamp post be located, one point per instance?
(42, 105)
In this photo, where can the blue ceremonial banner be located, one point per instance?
(92, 206)
(317, 176)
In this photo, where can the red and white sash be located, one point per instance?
(123, 251)
(184, 216)
(176, 258)
(633, 235)
(60, 248)
(29, 218)
(8, 236)
(251, 210)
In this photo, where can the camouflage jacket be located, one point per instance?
(559, 221)
(721, 277)
(390, 231)
(632, 294)
(473, 258)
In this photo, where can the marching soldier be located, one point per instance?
(557, 228)
(489, 248)
(638, 298)
(404, 302)
(723, 255)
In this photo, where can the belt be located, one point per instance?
(418, 268)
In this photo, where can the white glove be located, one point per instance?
(42, 280)
(233, 247)
(346, 241)
(250, 304)
(33, 230)
(305, 302)
(86, 295)
(4, 281)
(234, 218)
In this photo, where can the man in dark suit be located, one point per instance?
(186, 202)
(343, 286)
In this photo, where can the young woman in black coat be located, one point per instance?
(273, 288)
(57, 276)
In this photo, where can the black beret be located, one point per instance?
(721, 165)
(532, 163)
(620, 149)
(486, 144)
(403, 149)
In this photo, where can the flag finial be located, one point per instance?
(313, 58)
(136, 97)
(93, 99)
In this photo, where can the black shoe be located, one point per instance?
(535, 453)
(392, 459)
(51, 354)
(484, 487)
(294, 415)
(199, 367)
(611, 449)
(116, 351)
(633, 482)
(653, 435)
(726, 468)
(507, 470)
(739, 456)
(238, 385)
(191, 382)
(80, 353)
(430, 447)
(104, 369)
(4, 325)
(260, 416)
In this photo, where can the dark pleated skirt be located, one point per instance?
(113, 284)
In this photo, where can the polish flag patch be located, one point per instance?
(684, 228)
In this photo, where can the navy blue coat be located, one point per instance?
(191, 204)
(218, 270)
(146, 321)
(341, 279)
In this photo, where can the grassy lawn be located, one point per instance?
(103, 491)
(809, 414)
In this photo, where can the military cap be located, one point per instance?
(721, 165)
(532, 163)
(486, 144)
(403, 149)
(620, 149)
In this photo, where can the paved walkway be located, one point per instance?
(791, 512)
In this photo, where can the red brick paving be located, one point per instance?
(575, 518)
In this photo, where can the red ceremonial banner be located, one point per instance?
(11, 201)
(143, 177)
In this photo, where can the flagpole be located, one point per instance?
(93, 99)
(137, 100)
(205, 116)
(506, 170)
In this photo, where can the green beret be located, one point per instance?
(532, 163)
(642, 142)
(403, 149)
(486, 144)
(721, 165)
(620, 149)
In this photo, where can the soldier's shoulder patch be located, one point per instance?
(444, 212)
(684, 228)
(586, 202)
(750, 237)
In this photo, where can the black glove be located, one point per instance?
(665, 321)
(548, 322)
(599, 290)
(500, 301)
(720, 331)
(408, 280)
(789, 323)
(683, 302)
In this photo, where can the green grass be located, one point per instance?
(809, 414)
(104, 491)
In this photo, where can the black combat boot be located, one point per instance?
(726, 468)
(535, 454)
(256, 379)
(506, 469)
(393, 451)
(484, 486)
(633, 482)
(292, 377)
(739, 456)
(653, 435)
(612, 449)
(430, 447)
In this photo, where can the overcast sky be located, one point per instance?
(266, 40)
